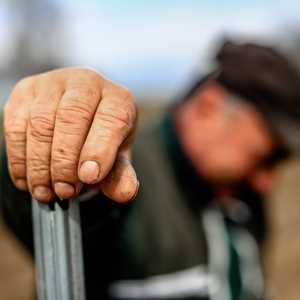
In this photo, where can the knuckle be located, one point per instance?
(64, 164)
(82, 91)
(15, 136)
(93, 74)
(119, 92)
(15, 131)
(73, 117)
(90, 72)
(25, 83)
(48, 80)
(63, 157)
(38, 158)
(38, 169)
(116, 119)
(41, 127)
(76, 109)
(16, 149)
(119, 117)
(120, 97)
(25, 86)
(90, 92)
(22, 89)
(16, 160)
(78, 76)
(18, 166)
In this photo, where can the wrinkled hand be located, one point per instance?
(70, 127)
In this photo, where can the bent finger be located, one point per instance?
(73, 119)
(39, 139)
(114, 121)
(16, 113)
(121, 184)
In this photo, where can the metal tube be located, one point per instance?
(58, 251)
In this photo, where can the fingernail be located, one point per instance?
(42, 193)
(22, 184)
(64, 190)
(89, 171)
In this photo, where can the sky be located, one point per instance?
(164, 43)
(159, 45)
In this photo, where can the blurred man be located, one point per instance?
(196, 229)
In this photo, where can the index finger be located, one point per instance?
(113, 122)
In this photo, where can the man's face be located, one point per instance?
(227, 140)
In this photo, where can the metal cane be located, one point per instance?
(58, 250)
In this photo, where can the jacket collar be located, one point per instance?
(198, 190)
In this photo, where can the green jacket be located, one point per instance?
(172, 242)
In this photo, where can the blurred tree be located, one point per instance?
(38, 37)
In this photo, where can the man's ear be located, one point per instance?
(263, 179)
(209, 99)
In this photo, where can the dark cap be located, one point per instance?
(269, 81)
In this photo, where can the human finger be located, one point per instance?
(39, 138)
(114, 121)
(121, 184)
(16, 113)
(73, 120)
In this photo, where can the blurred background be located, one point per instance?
(155, 48)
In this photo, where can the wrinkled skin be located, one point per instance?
(70, 127)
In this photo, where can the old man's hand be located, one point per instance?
(67, 128)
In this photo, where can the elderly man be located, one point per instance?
(196, 229)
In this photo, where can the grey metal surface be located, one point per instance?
(58, 251)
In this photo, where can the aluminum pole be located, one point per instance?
(58, 250)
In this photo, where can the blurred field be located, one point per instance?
(283, 250)
(16, 269)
